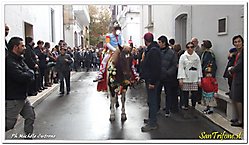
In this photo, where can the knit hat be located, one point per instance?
(148, 37)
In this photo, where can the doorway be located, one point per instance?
(28, 30)
(181, 29)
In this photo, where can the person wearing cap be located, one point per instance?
(112, 41)
(151, 74)
(18, 77)
(209, 86)
(63, 68)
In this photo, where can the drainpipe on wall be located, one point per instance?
(191, 20)
(63, 22)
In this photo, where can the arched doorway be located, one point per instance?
(181, 29)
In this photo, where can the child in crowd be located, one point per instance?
(209, 89)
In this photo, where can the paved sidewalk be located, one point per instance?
(220, 120)
(215, 117)
(36, 100)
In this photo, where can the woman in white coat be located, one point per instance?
(189, 75)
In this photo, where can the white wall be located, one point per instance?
(204, 26)
(144, 18)
(58, 17)
(163, 21)
(36, 15)
(69, 35)
(130, 21)
(133, 28)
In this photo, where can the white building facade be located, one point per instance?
(182, 22)
(76, 25)
(129, 17)
(42, 22)
(49, 23)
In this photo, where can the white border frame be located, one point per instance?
(2, 76)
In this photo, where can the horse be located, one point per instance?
(120, 77)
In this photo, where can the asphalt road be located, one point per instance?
(83, 115)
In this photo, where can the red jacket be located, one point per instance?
(209, 84)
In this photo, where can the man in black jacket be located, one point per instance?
(30, 60)
(63, 68)
(151, 74)
(88, 59)
(168, 76)
(41, 53)
(18, 76)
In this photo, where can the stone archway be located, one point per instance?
(181, 29)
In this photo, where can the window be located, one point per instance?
(222, 26)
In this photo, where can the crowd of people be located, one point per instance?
(183, 74)
(189, 73)
(32, 68)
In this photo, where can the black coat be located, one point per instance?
(42, 58)
(6, 48)
(30, 57)
(77, 56)
(168, 66)
(237, 84)
(229, 63)
(63, 66)
(18, 76)
(88, 56)
(151, 68)
(207, 58)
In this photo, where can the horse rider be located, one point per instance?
(112, 41)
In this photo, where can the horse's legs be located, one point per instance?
(123, 115)
(117, 104)
(113, 100)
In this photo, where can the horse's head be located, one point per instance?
(123, 62)
(125, 48)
